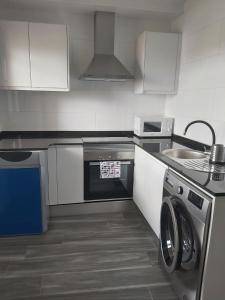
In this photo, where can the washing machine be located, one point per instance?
(184, 224)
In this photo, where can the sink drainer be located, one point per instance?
(201, 165)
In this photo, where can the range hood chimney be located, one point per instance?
(104, 65)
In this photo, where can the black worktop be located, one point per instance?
(211, 183)
(214, 184)
(42, 140)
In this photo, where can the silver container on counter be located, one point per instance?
(217, 155)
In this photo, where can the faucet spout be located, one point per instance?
(207, 124)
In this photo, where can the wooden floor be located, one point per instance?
(86, 257)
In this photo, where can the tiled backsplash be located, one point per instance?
(89, 105)
(201, 92)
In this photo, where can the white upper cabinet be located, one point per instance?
(157, 63)
(48, 56)
(14, 55)
(33, 56)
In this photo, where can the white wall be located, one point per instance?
(201, 92)
(89, 105)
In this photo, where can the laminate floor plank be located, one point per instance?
(123, 294)
(11, 253)
(3, 267)
(43, 239)
(121, 233)
(107, 227)
(85, 257)
(105, 280)
(80, 262)
(87, 218)
(12, 288)
(91, 245)
(164, 292)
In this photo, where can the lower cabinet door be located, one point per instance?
(148, 187)
(52, 176)
(70, 178)
(20, 201)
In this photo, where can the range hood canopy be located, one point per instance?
(104, 65)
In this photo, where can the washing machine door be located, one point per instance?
(179, 246)
(190, 246)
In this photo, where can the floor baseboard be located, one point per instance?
(92, 208)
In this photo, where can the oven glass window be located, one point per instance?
(152, 126)
(97, 188)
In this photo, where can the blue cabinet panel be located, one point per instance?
(20, 201)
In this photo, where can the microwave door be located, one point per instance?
(154, 127)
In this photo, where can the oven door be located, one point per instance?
(179, 243)
(97, 188)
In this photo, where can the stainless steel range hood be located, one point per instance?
(104, 65)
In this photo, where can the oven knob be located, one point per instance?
(180, 190)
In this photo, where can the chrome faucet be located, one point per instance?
(207, 124)
(217, 152)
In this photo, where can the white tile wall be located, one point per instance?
(89, 105)
(201, 92)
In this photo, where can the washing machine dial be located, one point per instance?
(180, 190)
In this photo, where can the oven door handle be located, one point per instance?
(97, 163)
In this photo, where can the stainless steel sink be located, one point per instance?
(184, 154)
(194, 160)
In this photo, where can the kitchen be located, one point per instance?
(60, 131)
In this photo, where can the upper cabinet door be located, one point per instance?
(158, 57)
(14, 55)
(49, 56)
(161, 64)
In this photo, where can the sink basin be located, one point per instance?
(184, 154)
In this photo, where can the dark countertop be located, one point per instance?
(36, 143)
(214, 185)
(21, 144)
(16, 141)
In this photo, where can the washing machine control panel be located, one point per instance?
(195, 199)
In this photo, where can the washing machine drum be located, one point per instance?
(179, 243)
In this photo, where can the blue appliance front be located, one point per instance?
(20, 201)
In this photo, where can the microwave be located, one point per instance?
(153, 126)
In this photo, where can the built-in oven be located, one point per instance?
(108, 171)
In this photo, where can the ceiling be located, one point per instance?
(133, 7)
